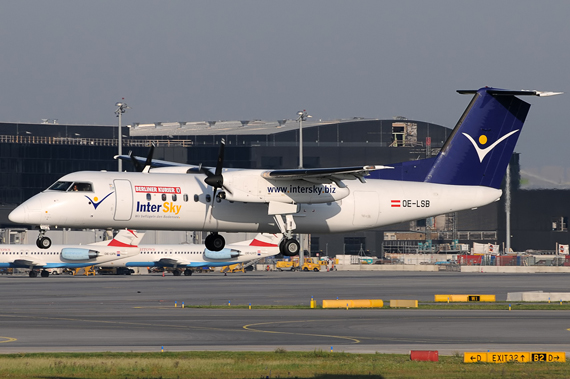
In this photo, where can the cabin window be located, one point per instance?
(174, 197)
(163, 197)
(148, 197)
(60, 186)
(185, 197)
(196, 198)
(208, 198)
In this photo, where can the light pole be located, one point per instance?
(121, 108)
(302, 116)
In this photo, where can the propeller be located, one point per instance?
(216, 179)
(148, 163)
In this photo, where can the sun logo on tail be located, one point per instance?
(483, 140)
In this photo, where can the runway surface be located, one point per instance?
(137, 313)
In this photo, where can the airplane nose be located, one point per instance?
(29, 212)
(19, 215)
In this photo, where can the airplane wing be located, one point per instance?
(169, 262)
(324, 175)
(27, 263)
(314, 175)
(155, 162)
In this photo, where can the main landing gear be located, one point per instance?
(43, 242)
(289, 246)
(215, 242)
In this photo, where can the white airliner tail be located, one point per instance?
(263, 239)
(125, 238)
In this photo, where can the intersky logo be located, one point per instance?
(95, 202)
(483, 140)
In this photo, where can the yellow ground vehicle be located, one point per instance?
(233, 268)
(309, 265)
(287, 265)
(293, 265)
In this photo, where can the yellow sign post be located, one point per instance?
(548, 356)
(474, 357)
(519, 356)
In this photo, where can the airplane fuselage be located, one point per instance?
(180, 256)
(173, 201)
(63, 256)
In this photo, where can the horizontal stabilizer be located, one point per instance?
(505, 92)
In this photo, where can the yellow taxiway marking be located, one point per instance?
(249, 327)
(138, 324)
(7, 339)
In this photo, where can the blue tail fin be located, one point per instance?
(480, 147)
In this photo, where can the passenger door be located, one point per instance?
(123, 200)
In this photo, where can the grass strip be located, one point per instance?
(277, 364)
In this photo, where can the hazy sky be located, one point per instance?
(242, 60)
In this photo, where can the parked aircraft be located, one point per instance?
(123, 246)
(466, 174)
(184, 257)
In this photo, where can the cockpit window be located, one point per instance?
(60, 186)
(79, 186)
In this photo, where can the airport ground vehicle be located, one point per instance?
(233, 268)
(310, 264)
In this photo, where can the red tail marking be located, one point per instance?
(114, 242)
(261, 243)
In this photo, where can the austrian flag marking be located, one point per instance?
(395, 203)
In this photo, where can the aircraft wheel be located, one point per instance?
(33, 274)
(43, 242)
(44, 274)
(289, 247)
(215, 242)
(187, 272)
(176, 272)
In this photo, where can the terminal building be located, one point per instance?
(33, 156)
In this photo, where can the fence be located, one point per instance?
(92, 141)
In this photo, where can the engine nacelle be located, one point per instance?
(77, 254)
(222, 254)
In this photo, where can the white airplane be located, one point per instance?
(466, 174)
(123, 246)
(186, 256)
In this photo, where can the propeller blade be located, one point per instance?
(148, 163)
(227, 189)
(136, 164)
(220, 163)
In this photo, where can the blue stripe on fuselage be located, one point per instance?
(193, 264)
